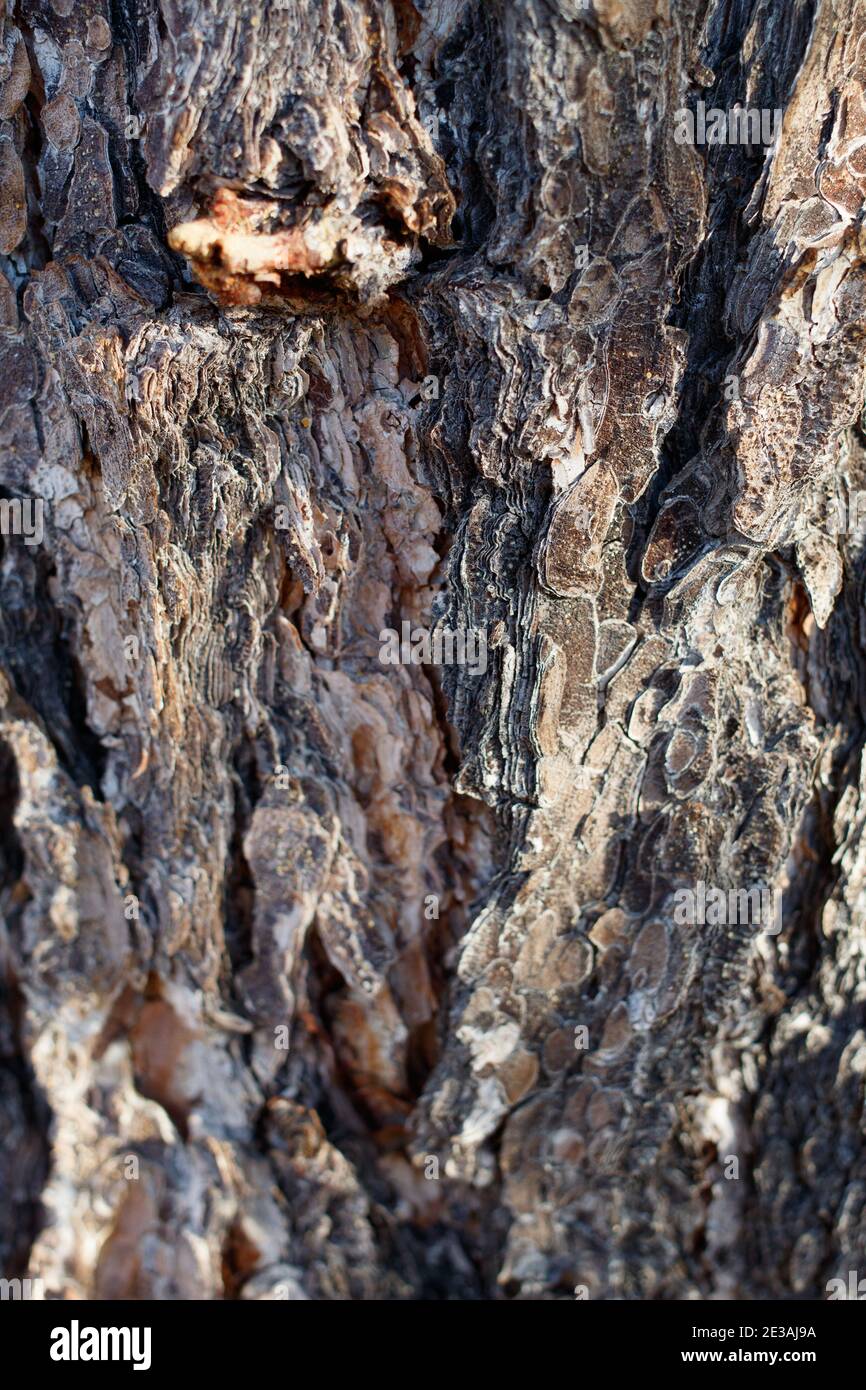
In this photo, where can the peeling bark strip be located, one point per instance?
(328, 976)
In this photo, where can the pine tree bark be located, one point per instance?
(328, 977)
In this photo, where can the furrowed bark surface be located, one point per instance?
(300, 342)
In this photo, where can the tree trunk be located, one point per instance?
(432, 648)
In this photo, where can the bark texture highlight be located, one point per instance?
(328, 978)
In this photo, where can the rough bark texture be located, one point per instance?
(237, 238)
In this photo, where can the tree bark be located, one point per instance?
(339, 977)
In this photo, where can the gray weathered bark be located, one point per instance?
(301, 342)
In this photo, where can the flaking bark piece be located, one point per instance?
(570, 553)
(240, 263)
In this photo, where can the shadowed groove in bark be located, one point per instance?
(732, 173)
(25, 1152)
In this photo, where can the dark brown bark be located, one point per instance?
(333, 978)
